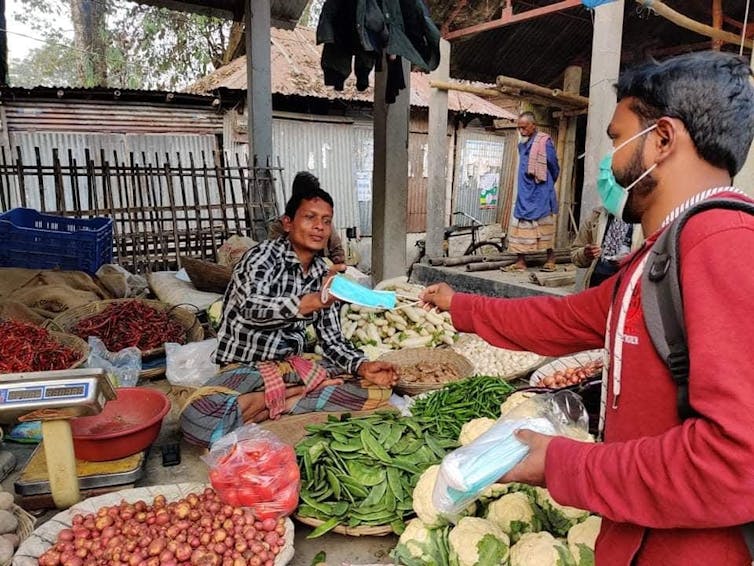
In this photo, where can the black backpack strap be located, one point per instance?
(662, 305)
(662, 298)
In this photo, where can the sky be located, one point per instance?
(18, 45)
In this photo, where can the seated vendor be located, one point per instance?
(274, 294)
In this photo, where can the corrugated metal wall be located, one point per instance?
(326, 150)
(479, 161)
(147, 149)
(363, 159)
(119, 117)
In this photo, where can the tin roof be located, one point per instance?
(296, 71)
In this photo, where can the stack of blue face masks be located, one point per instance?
(348, 290)
(467, 471)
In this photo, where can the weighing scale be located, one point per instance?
(55, 397)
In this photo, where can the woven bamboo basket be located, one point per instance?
(74, 343)
(206, 275)
(363, 531)
(413, 356)
(67, 320)
(25, 527)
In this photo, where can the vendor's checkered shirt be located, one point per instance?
(261, 319)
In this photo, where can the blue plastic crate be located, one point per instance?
(34, 240)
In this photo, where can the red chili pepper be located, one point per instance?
(131, 323)
(25, 347)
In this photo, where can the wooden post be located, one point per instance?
(745, 178)
(438, 156)
(717, 22)
(259, 82)
(567, 140)
(606, 50)
(3, 45)
(390, 178)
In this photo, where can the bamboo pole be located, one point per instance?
(679, 19)
(554, 94)
(478, 90)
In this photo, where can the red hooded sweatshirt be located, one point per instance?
(670, 492)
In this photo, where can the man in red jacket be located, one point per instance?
(670, 492)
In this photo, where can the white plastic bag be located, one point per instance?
(467, 471)
(123, 367)
(192, 364)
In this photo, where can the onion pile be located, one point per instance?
(198, 530)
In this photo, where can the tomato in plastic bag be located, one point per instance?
(251, 467)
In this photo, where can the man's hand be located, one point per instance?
(378, 373)
(312, 302)
(531, 469)
(439, 294)
(592, 252)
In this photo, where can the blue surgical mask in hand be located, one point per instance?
(348, 290)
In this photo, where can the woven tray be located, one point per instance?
(43, 537)
(74, 343)
(24, 529)
(206, 275)
(412, 356)
(194, 332)
(376, 531)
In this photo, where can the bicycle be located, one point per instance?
(476, 247)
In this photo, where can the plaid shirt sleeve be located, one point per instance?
(335, 346)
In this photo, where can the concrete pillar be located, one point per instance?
(259, 81)
(438, 155)
(571, 83)
(745, 178)
(606, 49)
(390, 178)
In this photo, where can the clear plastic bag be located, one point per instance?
(467, 471)
(192, 364)
(251, 467)
(122, 367)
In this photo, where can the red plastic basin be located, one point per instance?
(126, 425)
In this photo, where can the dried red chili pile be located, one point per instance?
(131, 323)
(25, 347)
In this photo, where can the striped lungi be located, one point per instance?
(212, 411)
(527, 236)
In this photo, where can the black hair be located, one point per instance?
(305, 187)
(710, 92)
(529, 116)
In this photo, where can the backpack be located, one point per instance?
(662, 306)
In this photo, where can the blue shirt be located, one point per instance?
(536, 200)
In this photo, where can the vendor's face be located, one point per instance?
(311, 226)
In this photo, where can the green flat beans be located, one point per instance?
(449, 408)
(362, 471)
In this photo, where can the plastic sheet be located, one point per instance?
(467, 471)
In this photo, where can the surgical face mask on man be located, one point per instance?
(614, 196)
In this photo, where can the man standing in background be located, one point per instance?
(533, 227)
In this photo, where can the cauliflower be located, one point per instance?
(477, 542)
(473, 429)
(581, 539)
(540, 549)
(514, 514)
(423, 506)
(420, 545)
(558, 518)
(514, 400)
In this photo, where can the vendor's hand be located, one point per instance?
(439, 295)
(335, 269)
(531, 469)
(383, 374)
(592, 252)
(312, 302)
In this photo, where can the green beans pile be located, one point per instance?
(362, 470)
(457, 403)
